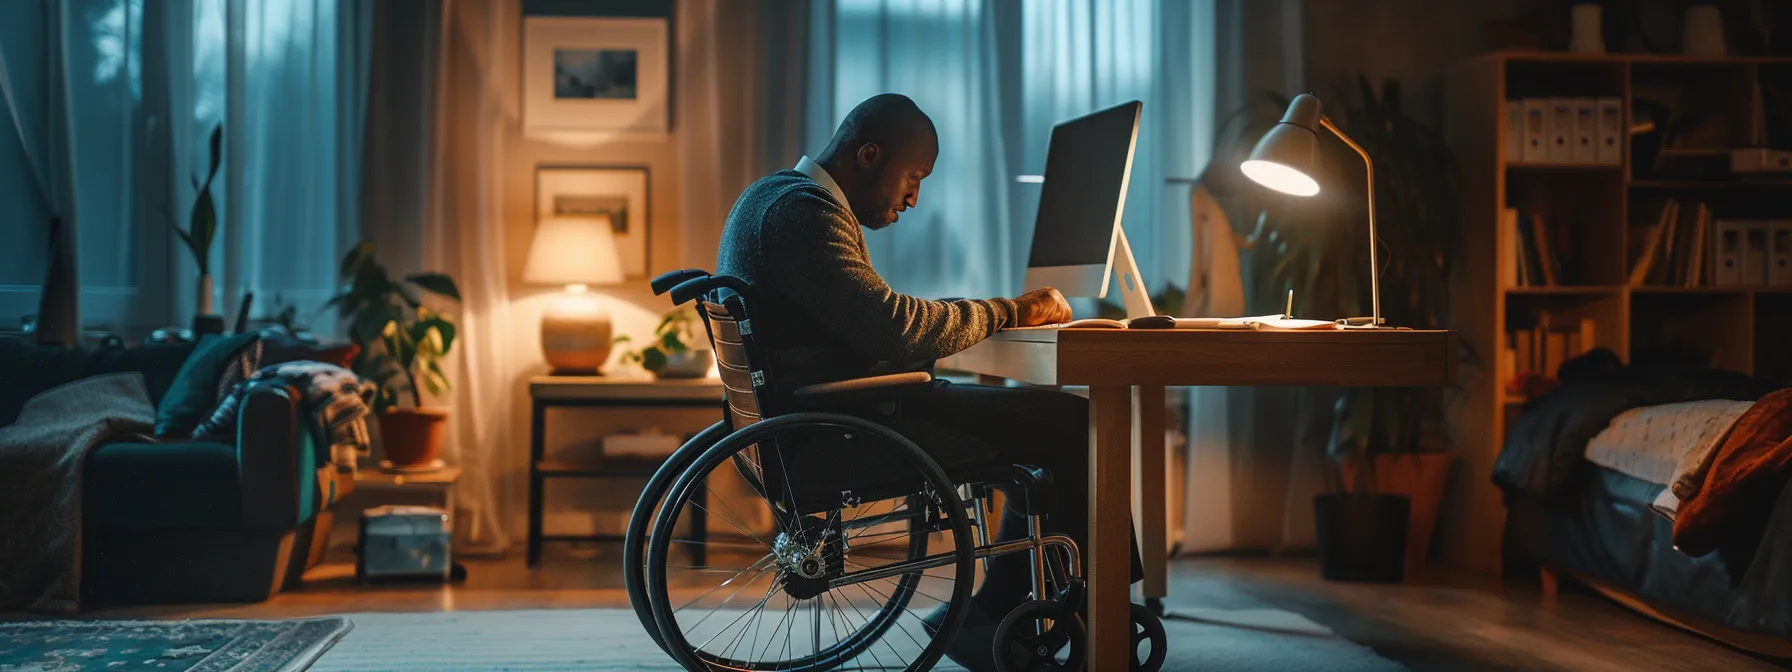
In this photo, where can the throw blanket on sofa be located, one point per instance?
(336, 397)
(41, 459)
(1744, 480)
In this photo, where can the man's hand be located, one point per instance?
(1042, 306)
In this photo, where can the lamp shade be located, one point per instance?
(573, 251)
(1284, 157)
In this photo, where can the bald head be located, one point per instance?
(879, 155)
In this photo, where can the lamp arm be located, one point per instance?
(1374, 260)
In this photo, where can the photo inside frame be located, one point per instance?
(579, 205)
(607, 74)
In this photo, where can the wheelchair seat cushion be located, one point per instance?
(822, 464)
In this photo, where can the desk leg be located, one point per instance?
(1151, 478)
(537, 440)
(1110, 506)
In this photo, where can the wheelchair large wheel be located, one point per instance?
(634, 542)
(828, 566)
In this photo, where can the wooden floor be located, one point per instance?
(1444, 623)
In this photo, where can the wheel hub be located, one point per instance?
(809, 557)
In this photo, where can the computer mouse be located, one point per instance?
(1152, 322)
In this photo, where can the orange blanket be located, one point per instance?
(1746, 476)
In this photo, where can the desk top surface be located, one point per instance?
(1346, 357)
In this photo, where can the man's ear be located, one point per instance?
(868, 154)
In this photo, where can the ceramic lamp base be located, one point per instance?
(575, 337)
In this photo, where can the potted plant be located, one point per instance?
(202, 229)
(678, 349)
(402, 345)
(1389, 457)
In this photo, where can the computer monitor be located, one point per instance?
(1077, 239)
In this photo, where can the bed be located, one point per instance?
(1587, 474)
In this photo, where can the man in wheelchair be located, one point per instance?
(795, 237)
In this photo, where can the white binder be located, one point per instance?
(1754, 253)
(1611, 133)
(1726, 252)
(1561, 130)
(1536, 130)
(1779, 244)
(1586, 130)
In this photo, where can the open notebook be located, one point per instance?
(1164, 322)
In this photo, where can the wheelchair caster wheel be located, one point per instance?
(1156, 605)
(1024, 642)
(1149, 642)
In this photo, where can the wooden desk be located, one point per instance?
(1119, 364)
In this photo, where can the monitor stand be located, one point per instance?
(1134, 295)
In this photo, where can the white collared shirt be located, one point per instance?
(808, 166)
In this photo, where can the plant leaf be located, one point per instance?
(438, 283)
(652, 359)
(216, 145)
(445, 332)
(355, 258)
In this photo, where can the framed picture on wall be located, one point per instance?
(595, 75)
(618, 191)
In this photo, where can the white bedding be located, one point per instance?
(1666, 443)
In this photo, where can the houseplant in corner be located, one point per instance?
(403, 344)
(202, 229)
(1389, 455)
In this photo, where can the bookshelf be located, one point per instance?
(1601, 214)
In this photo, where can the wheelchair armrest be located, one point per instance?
(888, 383)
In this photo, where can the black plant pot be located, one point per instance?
(1362, 537)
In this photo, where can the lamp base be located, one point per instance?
(1363, 323)
(575, 340)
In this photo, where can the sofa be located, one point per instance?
(175, 520)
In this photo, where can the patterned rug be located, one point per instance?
(175, 646)
(611, 640)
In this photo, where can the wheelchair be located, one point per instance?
(835, 542)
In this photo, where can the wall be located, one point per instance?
(1414, 41)
(633, 307)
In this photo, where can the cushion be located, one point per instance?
(194, 392)
(183, 485)
(28, 368)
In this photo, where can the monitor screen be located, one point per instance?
(1085, 182)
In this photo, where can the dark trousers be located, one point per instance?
(1034, 427)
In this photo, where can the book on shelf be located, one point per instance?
(1544, 346)
(1537, 259)
(1696, 250)
(1648, 266)
(1548, 258)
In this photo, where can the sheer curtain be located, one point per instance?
(957, 241)
(1080, 56)
(110, 104)
(436, 118)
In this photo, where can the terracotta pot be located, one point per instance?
(412, 437)
(1422, 477)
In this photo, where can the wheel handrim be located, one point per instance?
(845, 622)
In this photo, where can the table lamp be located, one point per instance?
(1283, 160)
(574, 252)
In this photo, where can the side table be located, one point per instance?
(607, 393)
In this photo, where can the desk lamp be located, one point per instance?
(574, 252)
(1283, 160)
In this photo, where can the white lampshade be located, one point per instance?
(573, 251)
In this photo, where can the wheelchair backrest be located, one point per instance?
(737, 342)
(747, 386)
